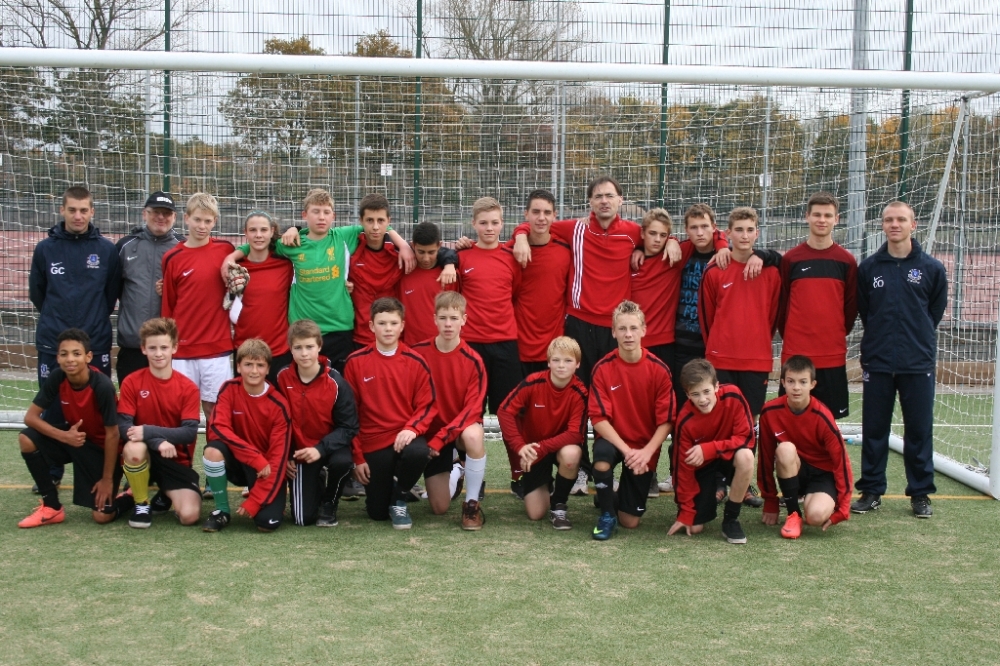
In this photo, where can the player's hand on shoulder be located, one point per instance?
(672, 251)
(638, 258)
(407, 259)
(448, 275)
(291, 237)
(722, 257)
(522, 250)
(463, 243)
(753, 268)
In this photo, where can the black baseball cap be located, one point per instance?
(160, 200)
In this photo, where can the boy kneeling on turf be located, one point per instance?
(460, 381)
(714, 435)
(800, 440)
(324, 421)
(396, 405)
(158, 418)
(87, 400)
(544, 422)
(249, 440)
(632, 408)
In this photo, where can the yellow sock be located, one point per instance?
(138, 480)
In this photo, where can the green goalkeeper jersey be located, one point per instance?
(321, 267)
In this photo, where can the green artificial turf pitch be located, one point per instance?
(880, 589)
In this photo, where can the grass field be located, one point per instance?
(880, 589)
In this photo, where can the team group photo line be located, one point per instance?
(346, 362)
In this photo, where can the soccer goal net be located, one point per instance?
(432, 145)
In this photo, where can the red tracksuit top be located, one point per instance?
(720, 433)
(162, 402)
(375, 274)
(323, 412)
(819, 303)
(540, 303)
(393, 393)
(635, 397)
(656, 287)
(417, 292)
(600, 275)
(488, 279)
(538, 412)
(460, 381)
(265, 304)
(257, 429)
(818, 442)
(738, 317)
(192, 295)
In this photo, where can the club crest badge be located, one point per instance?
(93, 261)
(914, 276)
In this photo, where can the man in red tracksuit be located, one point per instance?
(714, 436)
(324, 421)
(396, 402)
(249, 440)
(800, 441)
(819, 303)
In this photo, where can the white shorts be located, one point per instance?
(208, 374)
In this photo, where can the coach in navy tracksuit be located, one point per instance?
(74, 283)
(902, 294)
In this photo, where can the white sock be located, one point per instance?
(475, 472)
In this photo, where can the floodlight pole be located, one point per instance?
(662, 180)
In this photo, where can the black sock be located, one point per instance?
(39, 470)
(605, 484)
(732, 511)
(790, 493)
(560, 493)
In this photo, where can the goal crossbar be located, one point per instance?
(493, 69)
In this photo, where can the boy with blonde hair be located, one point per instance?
(544, 422)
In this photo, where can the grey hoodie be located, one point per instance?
(140, 258)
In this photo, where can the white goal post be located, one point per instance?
(959, 462)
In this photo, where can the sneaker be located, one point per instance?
(517, 489)
(654, 487)
(792, 529)
(327, 515)
(43, 515)
(353, 490)
(400, 516)
(34, 486)
(160, 503)
(666, 486)
(472, 516)
(456, 480)
(752, 498)
(580, 487)
(867, 502)
(217, 520)
(733, 532)
(921, 505)
(606, 525)
(246, 492)
(141, 517)
(416, 493)
(559, 519)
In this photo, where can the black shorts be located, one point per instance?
(168, 474)
(815, 480)
(270, 515)
(753, 386)
(633, 489)
(442, 462)
(503, 370)
(88, 464)
(705, 504)
(540, 474)
(831, 390)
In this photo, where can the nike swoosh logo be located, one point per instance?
(779, 434)
(842, 411)
(727, 286)
(273, 522)
(188, 272)
(468, 270)
(56, 263)
(368, 379)
(805, 268)
(539, 406)
(129, 258)
(408, 292)
(615, 388)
